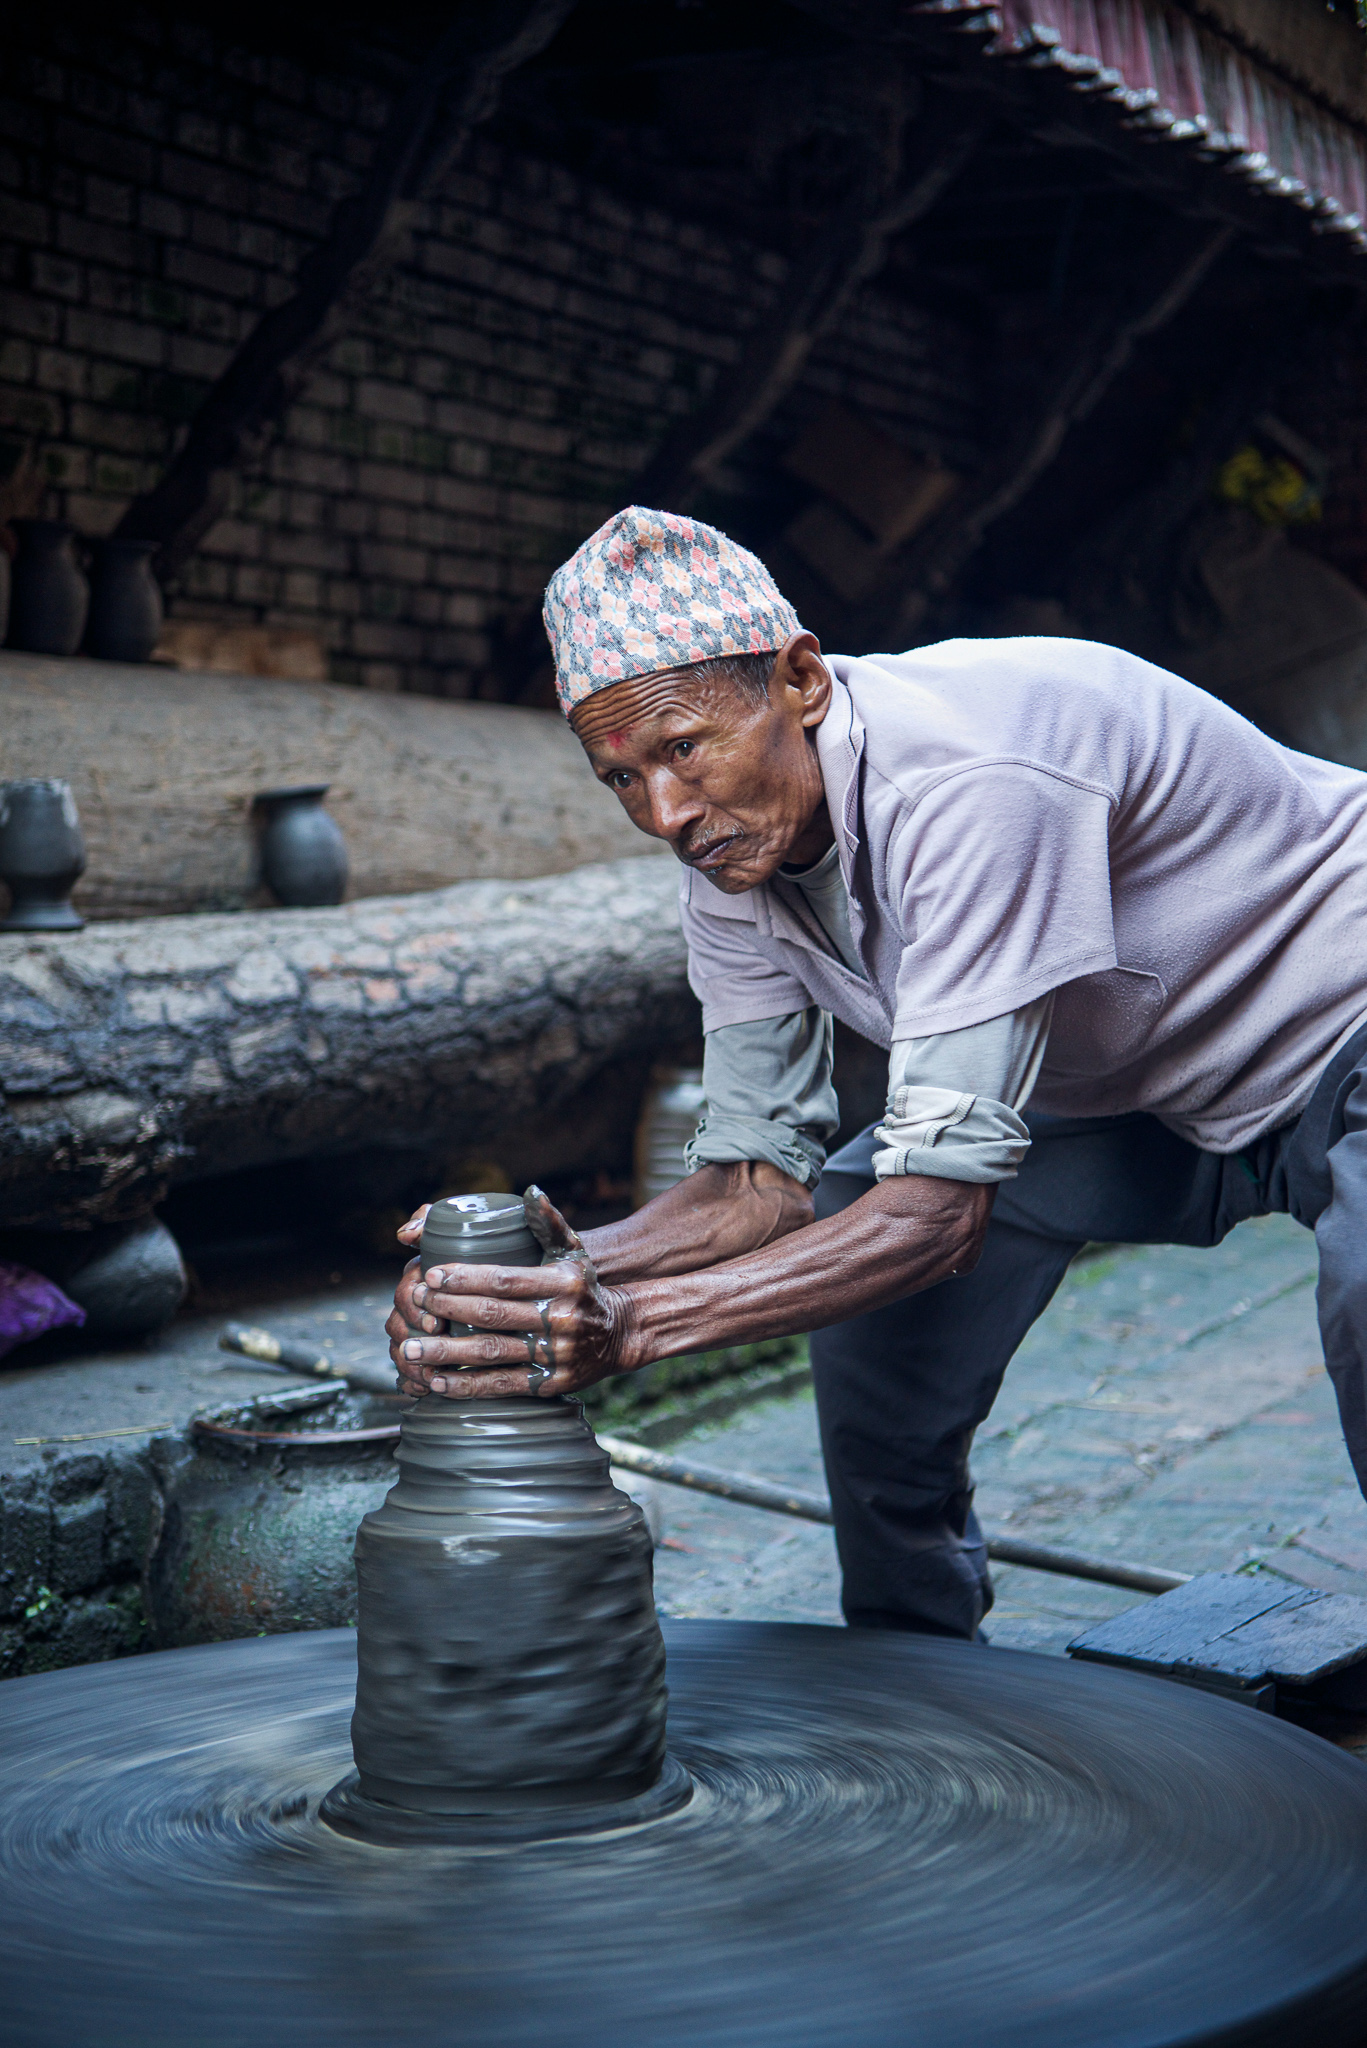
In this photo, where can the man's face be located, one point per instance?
(733, 787)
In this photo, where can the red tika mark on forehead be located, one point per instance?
(616, 739)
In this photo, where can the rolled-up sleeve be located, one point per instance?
(954, 1100)
(770, 1095)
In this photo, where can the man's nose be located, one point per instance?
(673, 805)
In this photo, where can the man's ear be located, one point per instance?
(798, 666)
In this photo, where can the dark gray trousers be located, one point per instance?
(900, 1392)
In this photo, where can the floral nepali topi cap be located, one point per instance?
(651, 591)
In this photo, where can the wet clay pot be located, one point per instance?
(260, 1517)
(125, 617)
(303, 854)
(510, 1658)
(483, 1230)
(42, 854)
(49, 596)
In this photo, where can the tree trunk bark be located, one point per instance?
(136, 1055)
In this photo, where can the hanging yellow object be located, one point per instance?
(1271, 486)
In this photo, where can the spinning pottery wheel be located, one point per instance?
(849, 1841)
(890, 1841)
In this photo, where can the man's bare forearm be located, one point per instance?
(904, 1235)
(717, 1213)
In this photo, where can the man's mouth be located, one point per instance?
(712, 853)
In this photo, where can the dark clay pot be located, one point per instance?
(509, 1652)
(303, 853)
(480, 1230)
(42, 854)
(128, 1277)
(49, 596)
(125, 601)
(510, 1660)
(257, 1535)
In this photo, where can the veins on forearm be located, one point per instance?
(718, 1213)
(895, 1241)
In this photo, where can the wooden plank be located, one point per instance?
(1302, 1641)
(1248, 1630)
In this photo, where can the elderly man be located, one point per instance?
(1114, 938)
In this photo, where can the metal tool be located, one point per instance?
(815, 1507)
(277, 1355)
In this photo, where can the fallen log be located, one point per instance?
(138, 1055)
(164, 765)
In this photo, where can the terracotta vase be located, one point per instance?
(125, 601)
(303, 853)
(49, 596)
(42, 854)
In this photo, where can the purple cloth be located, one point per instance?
(31, 1305)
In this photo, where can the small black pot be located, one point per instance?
(128, 1277)
(49, 597)
(303, 853)
(125, 601)
(42, 853)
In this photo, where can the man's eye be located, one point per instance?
(619, 779)
(683, 748)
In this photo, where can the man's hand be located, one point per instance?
(556, 1327)
(548, 1329)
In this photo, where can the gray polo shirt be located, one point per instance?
(1020, 818)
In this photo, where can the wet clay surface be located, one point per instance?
(508, 1645)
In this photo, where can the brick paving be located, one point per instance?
(1171, 1408)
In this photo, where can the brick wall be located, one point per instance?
(157, 191)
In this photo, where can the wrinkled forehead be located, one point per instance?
(629, 716)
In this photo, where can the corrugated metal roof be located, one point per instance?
(1168, 74)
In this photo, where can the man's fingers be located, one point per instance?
(403, 1293)
(485, 1386)
(513, 1283)
(410, 1232)
(484, 1314)
(547, 1225)
(481, 1349)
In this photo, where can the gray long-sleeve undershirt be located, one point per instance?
(953, 1100)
